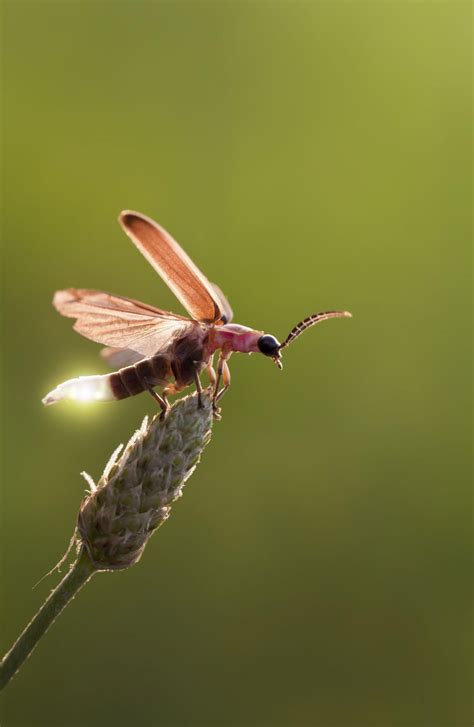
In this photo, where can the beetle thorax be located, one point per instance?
(235, 338)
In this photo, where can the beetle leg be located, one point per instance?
(225, 379)
(197, 381)
(217, 382)
(221, 368)
(210, 371)
(170, 389)
(161, 400)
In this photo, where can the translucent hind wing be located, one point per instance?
(73, 302)
(120, 322)
(118, 358)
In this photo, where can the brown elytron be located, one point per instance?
(150, 347)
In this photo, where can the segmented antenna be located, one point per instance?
(311, 321)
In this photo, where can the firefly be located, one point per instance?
(149, 347)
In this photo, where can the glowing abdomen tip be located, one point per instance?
(84, 388)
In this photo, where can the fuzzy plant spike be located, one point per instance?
(119, 514)
(134, 495)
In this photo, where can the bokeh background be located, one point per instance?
(308, 155)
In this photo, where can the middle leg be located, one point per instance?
(197, 381)
(224, 373)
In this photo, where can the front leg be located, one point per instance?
(210, 371)
(225, 380)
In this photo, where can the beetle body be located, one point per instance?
(149, 347)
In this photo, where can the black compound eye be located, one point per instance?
(268, 345)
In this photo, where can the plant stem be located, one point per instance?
(78, 575)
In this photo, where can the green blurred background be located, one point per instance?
(308, 155)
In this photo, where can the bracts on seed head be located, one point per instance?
(134, 495)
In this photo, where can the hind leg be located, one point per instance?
(161, 400)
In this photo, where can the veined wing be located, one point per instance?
(118, 358)
(176, 268)
(227, 312)
(120, 322)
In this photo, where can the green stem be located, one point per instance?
(58, 599)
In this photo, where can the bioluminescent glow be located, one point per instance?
(83, 389)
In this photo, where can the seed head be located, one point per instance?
(134, 495)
